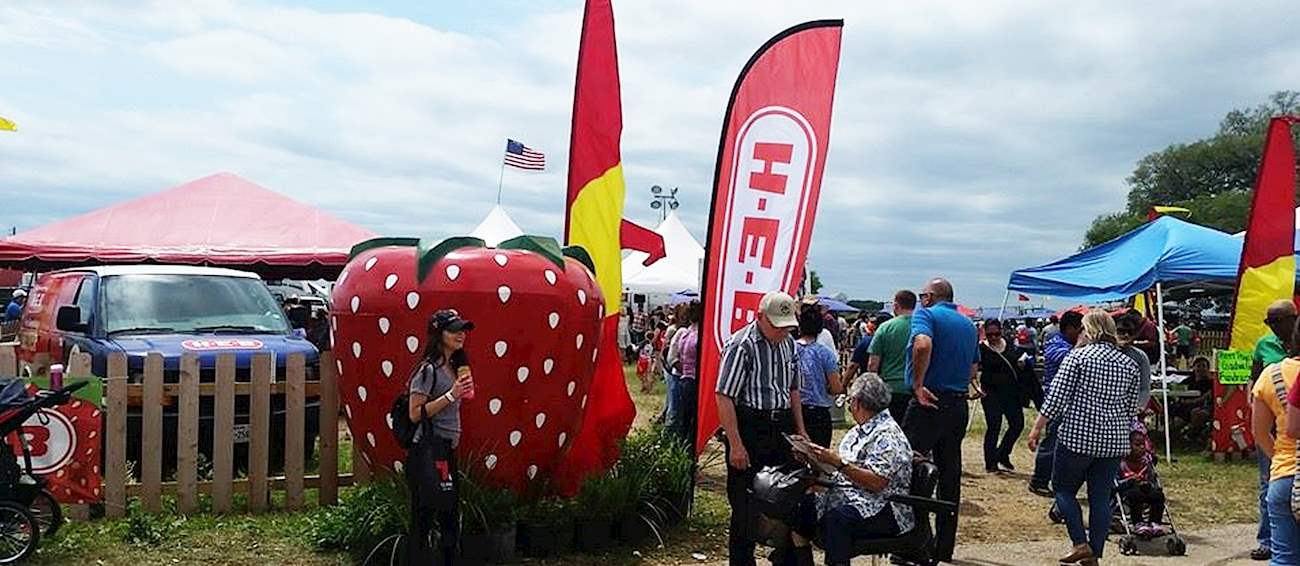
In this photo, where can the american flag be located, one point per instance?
(521, 156)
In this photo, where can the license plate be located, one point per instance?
(240, 433)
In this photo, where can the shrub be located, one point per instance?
(484, 508)
(365, 516)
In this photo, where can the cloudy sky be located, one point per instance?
(969, 138)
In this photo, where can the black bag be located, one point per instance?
(400, 415)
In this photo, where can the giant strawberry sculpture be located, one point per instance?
(537, 311)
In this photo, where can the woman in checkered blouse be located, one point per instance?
(1092, 400)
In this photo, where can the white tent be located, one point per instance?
(679, 270)
(496, 227)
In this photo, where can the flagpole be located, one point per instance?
(501, 178)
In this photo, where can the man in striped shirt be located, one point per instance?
(758, 400)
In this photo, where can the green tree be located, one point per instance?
(814, 282)
(1212, 177)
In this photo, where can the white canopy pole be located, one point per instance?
(1164, 368)
(1003, 310)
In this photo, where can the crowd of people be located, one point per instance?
(907, 391)
(908, 386)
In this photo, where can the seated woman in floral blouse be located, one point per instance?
(877, 460)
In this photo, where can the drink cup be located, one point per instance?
(464, 371)
(56, 376)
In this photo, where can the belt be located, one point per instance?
(951, 393)
(773, 415)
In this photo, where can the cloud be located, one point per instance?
(969, 138)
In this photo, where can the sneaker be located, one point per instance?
(1041, 490)
(1261, 553)
(1006, 465)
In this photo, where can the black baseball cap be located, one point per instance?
(450, 320)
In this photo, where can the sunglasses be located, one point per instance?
(923, 294)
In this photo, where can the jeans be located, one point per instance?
(682, 419)
(939, 432)
(841, 526)
(760, 432)
(817, 421)
(1263, 535)
(670, 398)
(898, 403)
(1071, 472)
(1002, 401)
(1044, 458)
(1282, 526)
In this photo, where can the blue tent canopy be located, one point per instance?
(1168, 250)
(834, 305)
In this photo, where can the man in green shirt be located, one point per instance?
(1269, 350)
(1183, 333)
(888, 352)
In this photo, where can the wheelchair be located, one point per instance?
(778, 491)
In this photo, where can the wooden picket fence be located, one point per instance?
(152, 394)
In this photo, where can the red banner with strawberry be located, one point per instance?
(63, 443)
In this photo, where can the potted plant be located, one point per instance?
(599, 504)
(487, 522)
(546, 528)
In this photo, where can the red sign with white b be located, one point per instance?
(769, 173)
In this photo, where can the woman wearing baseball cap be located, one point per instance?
(436, 388)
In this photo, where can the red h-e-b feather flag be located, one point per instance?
(766, 184)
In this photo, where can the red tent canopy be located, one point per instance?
(219, 220)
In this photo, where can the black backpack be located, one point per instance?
(400, 415)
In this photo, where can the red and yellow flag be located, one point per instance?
(1267, 271)
(594, 216)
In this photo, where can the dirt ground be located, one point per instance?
(1001, 522)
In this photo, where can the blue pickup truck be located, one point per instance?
(171, 310)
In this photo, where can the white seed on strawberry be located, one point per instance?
(515, 437)
(453, 271)
(390, 281)
(494, 406)
(384, 325)
(522, 374)
(503, 293)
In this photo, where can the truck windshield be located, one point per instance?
(190, 303)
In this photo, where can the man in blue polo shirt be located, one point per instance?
(941, 362)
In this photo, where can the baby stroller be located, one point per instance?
(27, 509)
(1123, 523)
(1147, 483)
